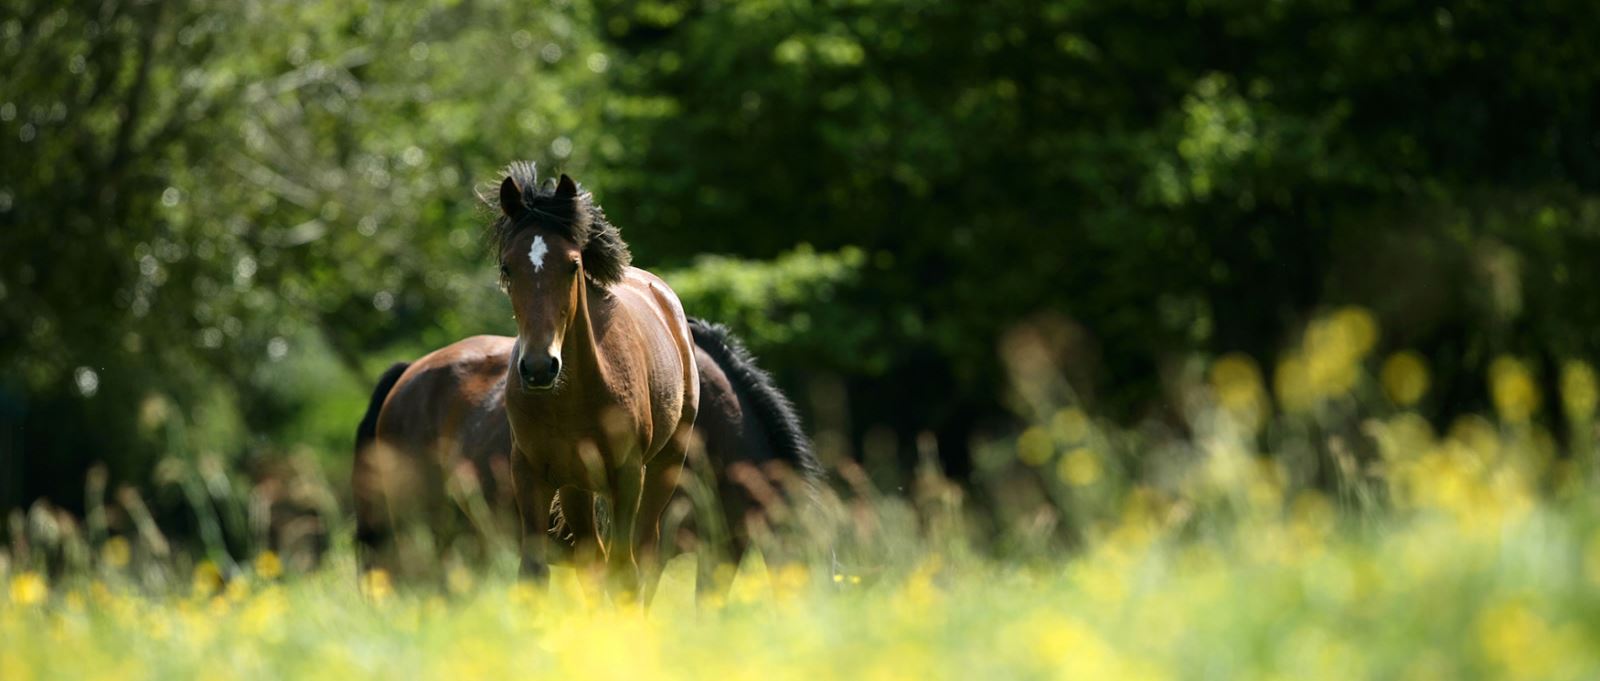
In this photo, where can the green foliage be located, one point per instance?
(221, 188)
(785, 308)
(204, 197)
(1174, 178)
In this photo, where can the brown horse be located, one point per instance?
(602, 386)
(447, 419)
(603, 390)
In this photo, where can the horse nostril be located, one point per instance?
(538, 372)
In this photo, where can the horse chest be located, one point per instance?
(579, 449)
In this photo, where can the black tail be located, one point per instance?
(368, 430)
(770, 405)
(370, 537)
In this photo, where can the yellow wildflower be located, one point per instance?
(1357, 328)
(376, 585)
(268, 566)
(1405, 378)
(1578, 389)
(523, 595)
(1507, 632)
(115, 553)
(1516, 396)
(1034, 447)
(1070, 425)
(753, 581)
(28, 588)
(1292, 383)
(1237, 384)
(206, 579)
(1236, 380)
(789, 582)
(1079, 468)
(237, 590)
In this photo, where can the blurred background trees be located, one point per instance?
(219, 221)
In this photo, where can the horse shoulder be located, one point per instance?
(666, 309)
(671, 322)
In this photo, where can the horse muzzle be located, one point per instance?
(538, 373)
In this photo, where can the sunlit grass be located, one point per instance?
(1298, 594)
(1471, 551)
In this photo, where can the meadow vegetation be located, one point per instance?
(1306, 523)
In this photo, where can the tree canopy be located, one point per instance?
(219, 220)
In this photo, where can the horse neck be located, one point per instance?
(585, 358)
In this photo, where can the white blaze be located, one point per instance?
(536, 253)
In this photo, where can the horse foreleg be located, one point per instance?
(660, 482)
(627, 490)
(534, 494)
(577, 508)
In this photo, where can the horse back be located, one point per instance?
(445, 415)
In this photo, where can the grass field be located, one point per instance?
(1504, 590)
(1468, 553)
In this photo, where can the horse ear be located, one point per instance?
(511, 199)
(566, 188)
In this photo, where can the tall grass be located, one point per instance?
(1300, 521)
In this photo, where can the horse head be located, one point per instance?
(552, 241)
(541, 271)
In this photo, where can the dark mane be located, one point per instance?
(769, 403)
(605, 255)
